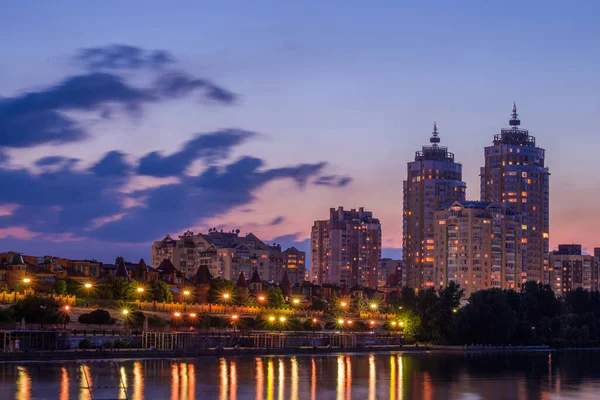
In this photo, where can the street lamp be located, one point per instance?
(296, 301)
(344, 304)
(176, 314)
(88, 285)
(186, 292)
(373, 306)
(27, 280)
(139, 290)
(125, 312)
(234, 319)
(261, 298)
(282, 321)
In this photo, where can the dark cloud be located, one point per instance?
(178, 84)
(68, 201)
(39, 117)
(170, 208)
(277, 221)
(51, 160)
(112, 164)
(209, 147)
(333, 180)
(36, 117)
(118, 56)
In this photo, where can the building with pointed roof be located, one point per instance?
(122, 271)
(285, 285)
(434, 180)
(227, 254)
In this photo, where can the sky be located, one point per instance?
(121, 122)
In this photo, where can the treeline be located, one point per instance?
(531, 316)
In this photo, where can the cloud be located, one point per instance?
(277, 221)
(37, 117)
(8, 209)
(178, 84)
(209, 147)
(112, 164)
(118, 56)
(40, 117)
(17, 232)
(333, 180)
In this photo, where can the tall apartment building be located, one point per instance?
(346, 249)
(477, 246)
(433, 180)
(571, 269)
(515, 174)
(226, 254)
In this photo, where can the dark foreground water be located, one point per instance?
(534, 375)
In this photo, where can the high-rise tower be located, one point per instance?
(433, 180)
(515, 174)
(346, 249)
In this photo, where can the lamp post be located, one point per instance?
(193, 319)
(140, 291)
(186, 295)
(66, 309)
(26, 281)
(176, 314)
(234, 319)
(261, 299)
(282, 322)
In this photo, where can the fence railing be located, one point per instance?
(11, 298)
(225, 309)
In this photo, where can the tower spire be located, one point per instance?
(514, 121)
(434, 136)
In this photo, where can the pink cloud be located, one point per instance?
(63, 237)
(17, 232)
(8, 209)
(98, 222)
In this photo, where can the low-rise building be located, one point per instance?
(571, 269)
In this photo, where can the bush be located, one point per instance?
(38, 309)
(97, 317)
(154, 321)
(85, 344)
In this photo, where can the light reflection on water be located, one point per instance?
(344, 377)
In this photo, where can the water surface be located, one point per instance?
(532, 375)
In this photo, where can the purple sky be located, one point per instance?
(120, 123)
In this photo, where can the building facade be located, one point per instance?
(346, 249)
(227, 254)
(478, 245)
(515, 174)
(433, 180)
(387, 268)
(571, 269)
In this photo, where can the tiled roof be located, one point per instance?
(167, 267)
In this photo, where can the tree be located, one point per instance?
(487, 319)
(161, 292)
(42, 310)
(220, 286)
(135, 319)
(275, 297)
(113, 288)
(59, 287)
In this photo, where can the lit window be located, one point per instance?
(524, 240)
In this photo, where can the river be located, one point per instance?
(524, 375)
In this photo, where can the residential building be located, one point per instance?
(434, 180)
(477, 245)
(571, 269)
(515, 174)
(227, 254)
(387, 268)
(346, 249)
